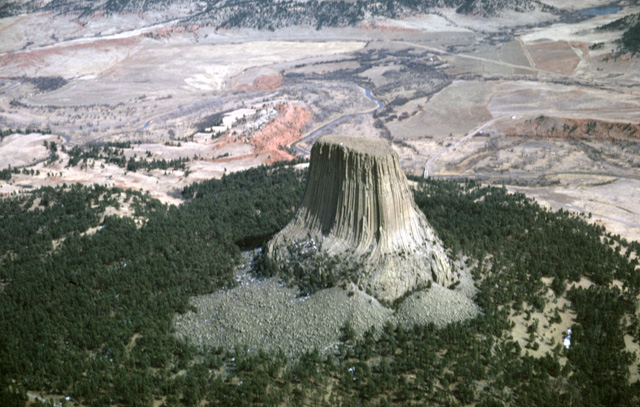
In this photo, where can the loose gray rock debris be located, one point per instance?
(357, 207)
(264, 313)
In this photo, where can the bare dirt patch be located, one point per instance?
(554, 56)
(438, 118)
(19, 150)
(539, 98)
(582, 46)
(258, 79)
(266, 82)
(463, 66)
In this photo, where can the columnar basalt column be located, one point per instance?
(358, 206)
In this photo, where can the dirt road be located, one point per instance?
(462, 140)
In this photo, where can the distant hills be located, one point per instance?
(269, 14)
(84, 8)
(630, 41)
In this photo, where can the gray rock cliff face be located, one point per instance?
(358, 206)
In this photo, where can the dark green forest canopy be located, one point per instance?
(630, 40)
(90, 317)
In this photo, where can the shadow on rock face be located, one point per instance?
(358, 207)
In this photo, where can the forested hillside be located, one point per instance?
(268, 14)
(630, 40)
(89, 315)
(318, 14)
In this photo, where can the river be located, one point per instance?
(597, 11)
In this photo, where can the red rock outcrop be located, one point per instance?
(281, 131)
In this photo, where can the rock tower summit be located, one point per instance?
(358, 207)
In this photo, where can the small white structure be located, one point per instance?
(567, 340)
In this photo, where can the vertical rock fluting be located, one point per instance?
(358, 206)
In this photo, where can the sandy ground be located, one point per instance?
(20, 150)
(612, 204)
(436, 117)
(555, 56)
(143, 64)
(527, 98)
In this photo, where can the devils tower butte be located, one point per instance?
(358, 207)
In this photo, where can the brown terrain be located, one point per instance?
(264, 82)
(280, 132)
(538, 110)
(554, 56)
(33, 61)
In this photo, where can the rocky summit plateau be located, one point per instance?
(358, 208)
